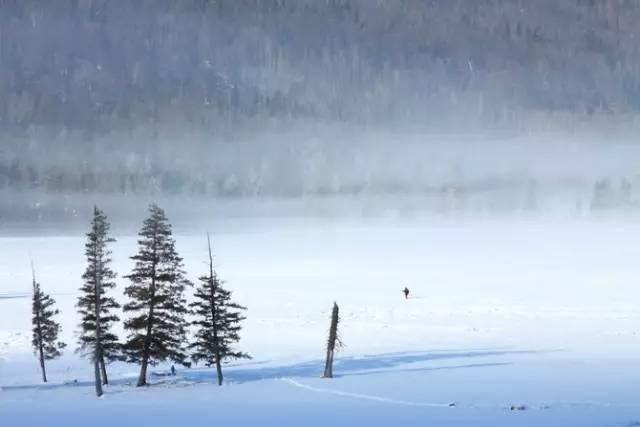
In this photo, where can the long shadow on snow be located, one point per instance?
(343, 367)
(84, 383)
(352, 366)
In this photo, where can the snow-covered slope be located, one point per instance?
(538, 317)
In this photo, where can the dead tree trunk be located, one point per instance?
(331, 344)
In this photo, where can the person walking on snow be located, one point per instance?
(406, 292)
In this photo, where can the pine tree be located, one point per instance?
(96, 307)
(217, 321)
(157, 328)
(45, 329)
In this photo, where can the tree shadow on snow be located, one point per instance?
(355, 366)
(77, 383)
(375, 364)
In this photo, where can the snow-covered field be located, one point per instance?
(541, 315)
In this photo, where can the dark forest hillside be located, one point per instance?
(97, 65)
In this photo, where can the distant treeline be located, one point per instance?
(42, 211)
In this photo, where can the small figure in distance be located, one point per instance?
(173, 371)
(406, 292)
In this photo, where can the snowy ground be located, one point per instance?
(542, 315)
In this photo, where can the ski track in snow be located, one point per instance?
(364, 396)
(453, 405)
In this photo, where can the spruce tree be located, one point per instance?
(217, 321)
(45, 329)
(157, 326)
(96, 307)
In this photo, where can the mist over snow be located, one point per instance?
(317, 173)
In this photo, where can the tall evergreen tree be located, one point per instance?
(96, 307)
(157, 326)
(45, 329)
(217, 321)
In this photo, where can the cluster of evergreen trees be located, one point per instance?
(158, 314)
